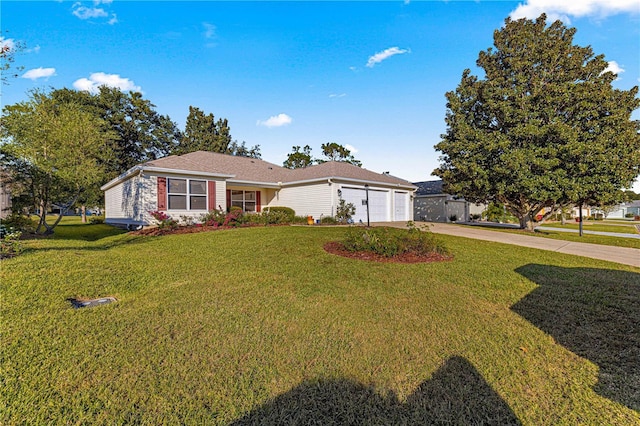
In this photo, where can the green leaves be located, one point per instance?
(543, 127)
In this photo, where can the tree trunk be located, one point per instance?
(526, 222)
(83, 212)
(580, 218)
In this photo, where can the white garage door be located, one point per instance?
(401, 206)
(378, 204)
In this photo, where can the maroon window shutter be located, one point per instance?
(212, 195)
(162, 193)
(228, 199)
(258, 207)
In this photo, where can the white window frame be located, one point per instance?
(244, 200)
(187, 194)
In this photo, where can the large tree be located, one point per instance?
(54, 153)
(543, 127)
(203, 133)
(333, 151)
(142, 133)
(298, 159)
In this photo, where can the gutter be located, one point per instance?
(139, 170)
(351, 180)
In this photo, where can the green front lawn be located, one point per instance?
(596, 226)
(260, 325)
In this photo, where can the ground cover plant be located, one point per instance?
(262, 326)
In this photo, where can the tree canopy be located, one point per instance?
(54, 154)
(336, 152)
(544, 127)
(298, 159)
(203, 133)
(331, 151)
(142, 133)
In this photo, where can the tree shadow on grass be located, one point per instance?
(456, 394)
(595, 313)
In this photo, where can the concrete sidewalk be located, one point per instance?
(624, 255)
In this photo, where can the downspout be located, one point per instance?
(333, 201)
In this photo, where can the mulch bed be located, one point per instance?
(184, 230)
(337, 248)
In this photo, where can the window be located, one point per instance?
(246, 200)
(182, 190)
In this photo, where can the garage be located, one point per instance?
(378, 204)
(400, 206)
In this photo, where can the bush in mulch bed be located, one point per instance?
(384, 244)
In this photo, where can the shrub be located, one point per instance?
(10, 244)
(163, 220)
(213, 218)
(453, 218)
(18, 222)
(286, 211)
(278, 217)
(299, 220)
(219, 218)
(96, 220)
(345, 211)
(390, 242)
(328, 220)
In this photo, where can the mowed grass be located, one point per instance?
(618, 228)
(605, 240)
(261, 326)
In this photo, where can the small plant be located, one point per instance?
(18, 222)
(390, 242)
(10, 244)
(286, 211)
(163, 220)
(345, 211)
(328, 220)
(187, 220)
(95, 220)
(453, 218)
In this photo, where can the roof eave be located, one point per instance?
(351, 180)
(141, 169)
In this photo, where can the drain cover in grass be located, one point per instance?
(76, 303)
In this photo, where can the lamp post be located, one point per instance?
(366, 190)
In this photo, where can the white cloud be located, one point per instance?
(276, 121)
(209, 30)
(83, 12)
(351, 148)
(385, 54)
(614, 68)
(37, 73)
(35, 49)
(97, 79)
(209, 34)
(336, 95)
(564, 9)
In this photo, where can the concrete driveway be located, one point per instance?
(623, 255)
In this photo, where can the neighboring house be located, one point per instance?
(5, 196)
(431, 204)
(618, 212)
(194, 183)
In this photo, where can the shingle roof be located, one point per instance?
(255, 170)
(430, 187)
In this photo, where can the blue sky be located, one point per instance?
(368, 75)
